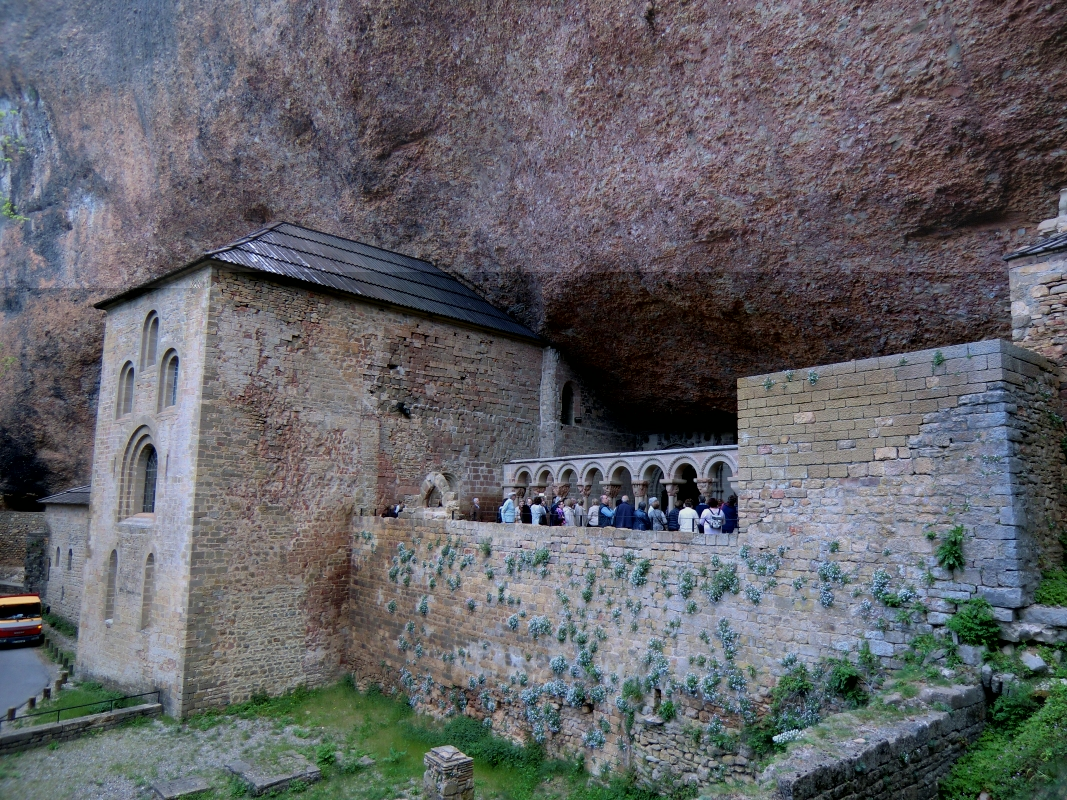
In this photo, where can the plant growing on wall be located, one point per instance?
(950, 553)
(974, 622)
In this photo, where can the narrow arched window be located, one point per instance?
(566, 415)
(124, 405)
(168, 382)
(59, 563)
(150, 340)
(70, 559)
(150, 462)
(148, 593)
(112, 581)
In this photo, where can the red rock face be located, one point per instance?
(675, 194)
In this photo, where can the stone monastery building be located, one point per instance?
(259, 405)
(256, 400)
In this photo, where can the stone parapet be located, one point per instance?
(37, 735)
(449, 774)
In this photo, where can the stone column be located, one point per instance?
(640, 492)
(612, 491)
(449, 775)
(672, 494)
(562, 490)
(704, 487)
(540, 489)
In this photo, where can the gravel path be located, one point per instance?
(118, 764)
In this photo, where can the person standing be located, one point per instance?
(569, 517)
(624, 514)
(476, 509)
(712, 518)
(509, 510)
(687, 518)
(702, 506)
(538, 515)
(592, 519)
(657, 517)
(525, 515)
(641, 520)
(729, 510)
(672, 518)
(605, 515)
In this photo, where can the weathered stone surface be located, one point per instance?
(37, 735)
(264, 779)
(182, 787)
(1033, 662)
(754, 184)
(1045, 615)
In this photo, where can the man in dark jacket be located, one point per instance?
(702, 506)
(672, 519)
(606, 515)
(729, 510)
(624, 514)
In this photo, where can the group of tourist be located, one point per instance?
(706, 516)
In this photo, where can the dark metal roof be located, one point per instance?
(75, 496)
(1049, 245)
(365, 271)
(344, 265)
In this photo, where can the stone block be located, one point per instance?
(260, 780)
(955, 697)
(182, 787)
(1004, 597)
(1044, 615)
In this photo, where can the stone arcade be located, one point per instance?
(258, 406)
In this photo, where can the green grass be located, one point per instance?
(65, 627)
(1053, 588)
(88, 692)
(340, 718)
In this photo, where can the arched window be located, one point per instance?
(112, 581)
(148, 593)
(150, 340)
(140, 471)
(124, 405)
(70, 559)
(148, 471)
(168, 381)
(58, 562)
(566, 413)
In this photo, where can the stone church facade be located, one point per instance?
(246, 417)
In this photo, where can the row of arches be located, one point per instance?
(712, 478)
(148, 589)
(167, 394)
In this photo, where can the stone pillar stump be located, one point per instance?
(449, 774)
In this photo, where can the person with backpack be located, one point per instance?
(672, 518)
(712, 518)
(657, 517)
(729, 510)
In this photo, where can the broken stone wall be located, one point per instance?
(16, 529)
(871, 463)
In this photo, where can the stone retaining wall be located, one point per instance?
(37, 735)
(905, 760)
(20, 533)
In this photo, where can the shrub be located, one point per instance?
(844, 680)
(1014, 765)
(485, 547)
(1053, 588)
(667, 711)
(950, 553)
(974, 622)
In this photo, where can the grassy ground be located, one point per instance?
(82, 695)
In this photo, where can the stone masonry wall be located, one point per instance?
(68, 531)
(594, 429)
(432, 614)
(870, 463)
(317, 408)
(1038, 287)
(123, 651)
(15, 527)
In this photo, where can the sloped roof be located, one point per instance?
(74, 496)
(1049, 245)
(371, 273)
